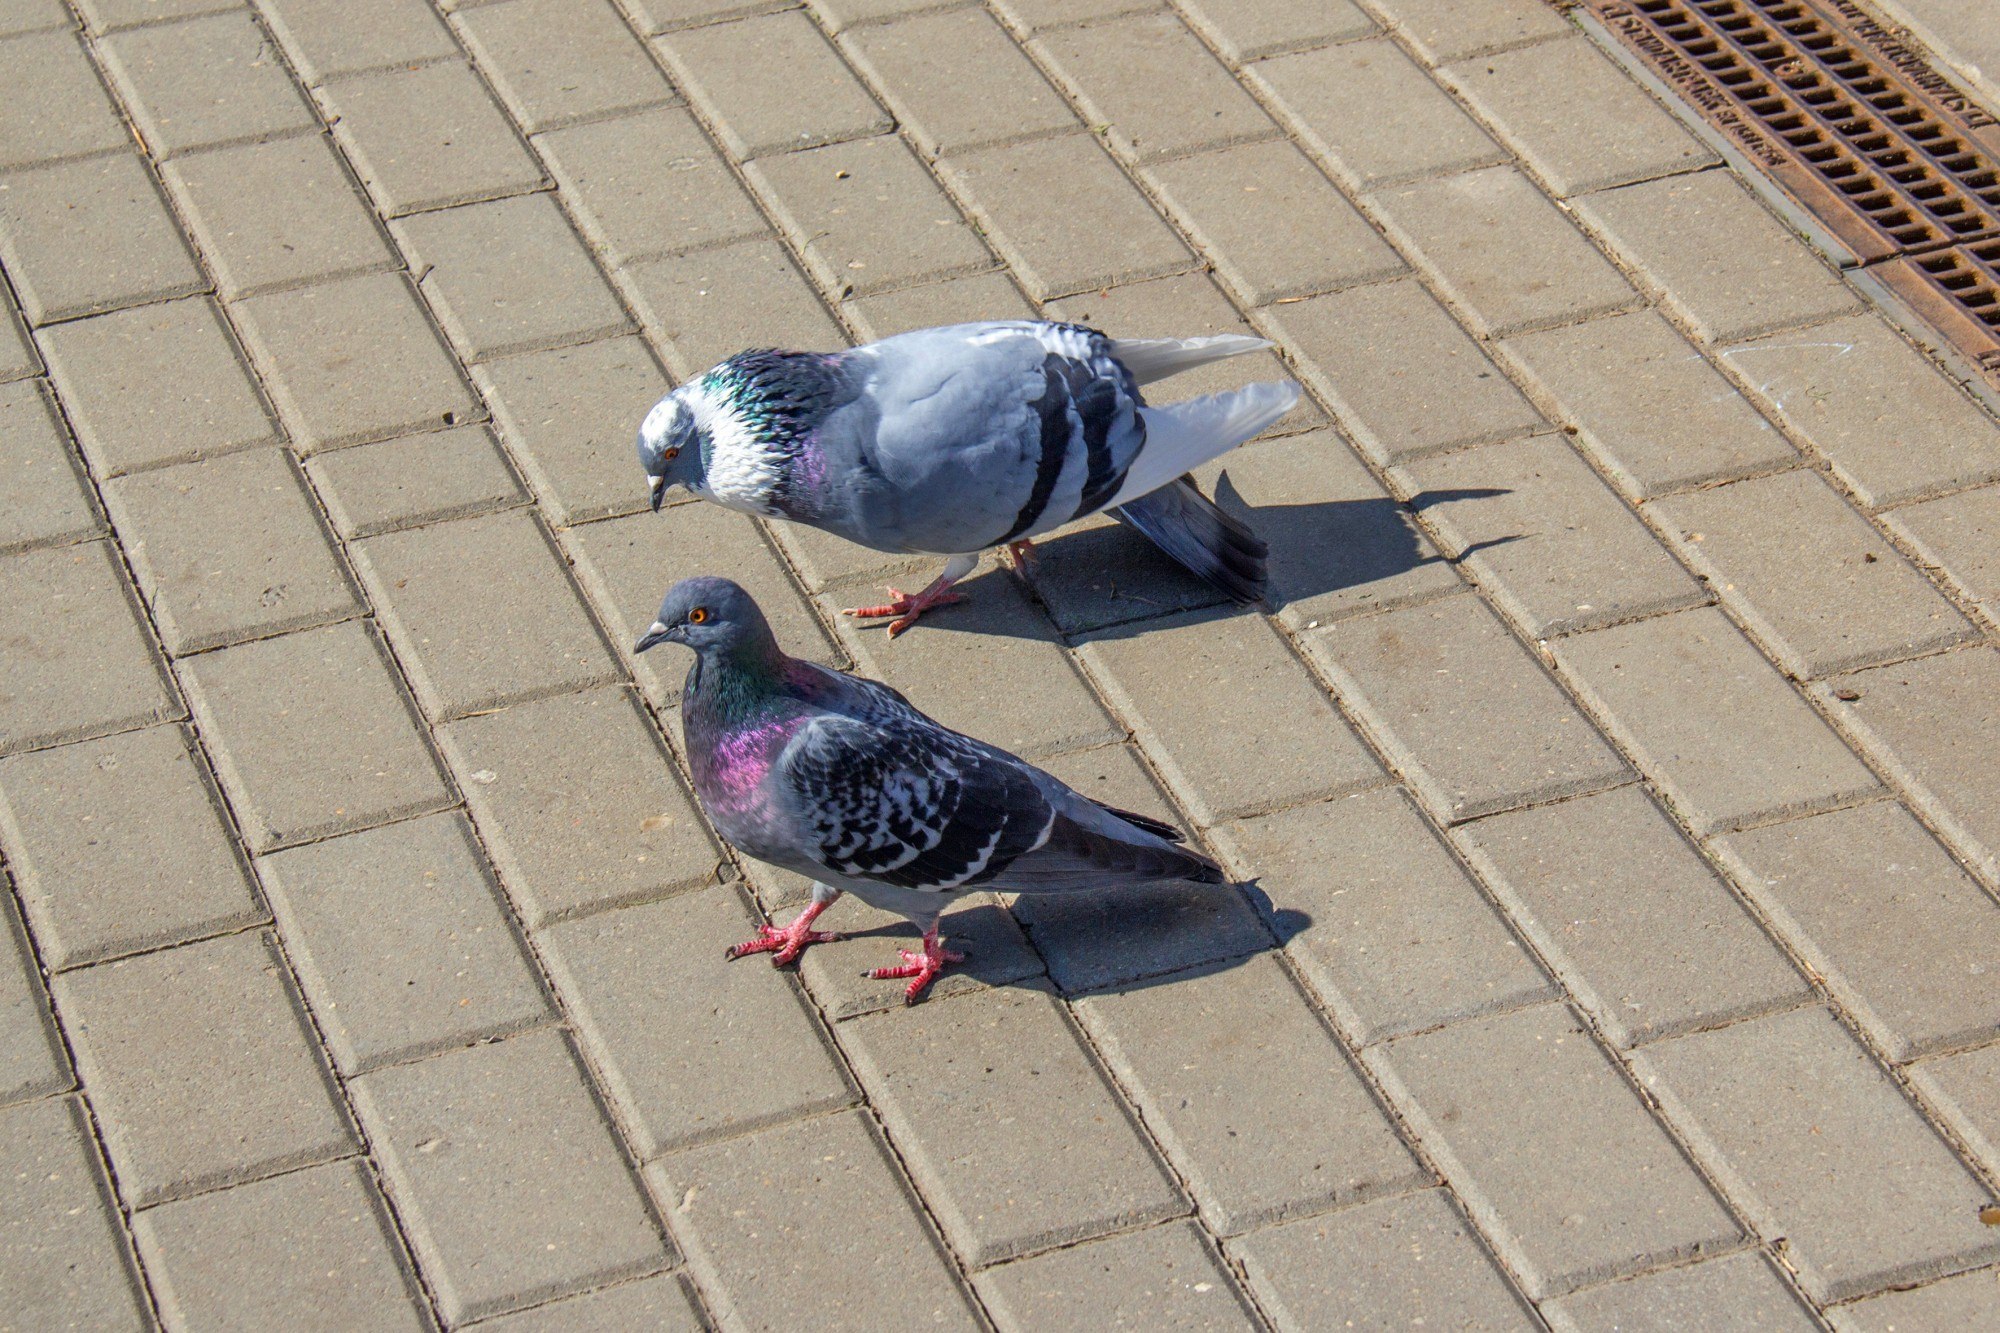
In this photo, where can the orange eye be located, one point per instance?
(671, 454)
(698, 616)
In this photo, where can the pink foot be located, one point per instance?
(786, 943)
(906, 608)
(1024, 556)
(922, 968)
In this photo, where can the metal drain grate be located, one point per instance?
(1958, 292)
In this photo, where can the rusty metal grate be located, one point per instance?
(1958, 291)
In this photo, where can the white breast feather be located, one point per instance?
(743, 471)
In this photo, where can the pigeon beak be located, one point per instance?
(658, 486)
(655, 633)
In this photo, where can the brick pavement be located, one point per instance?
(1612, 791)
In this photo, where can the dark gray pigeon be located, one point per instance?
(956, 440)
(842, 780)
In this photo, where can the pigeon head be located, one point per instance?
(670, 446)
(711, 616)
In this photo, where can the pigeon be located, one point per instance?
(841, 779)
(956, 440)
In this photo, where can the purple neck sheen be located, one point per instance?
(743, 756)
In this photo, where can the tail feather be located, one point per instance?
(1152, 359)
(1159, 828)
(1181, 436)
(1086, 850)
(1188, 526)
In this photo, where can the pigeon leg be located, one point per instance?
(786, 943)
(922, 968)
(1024, 555)
(906, 608)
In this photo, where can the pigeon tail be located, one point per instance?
(1181, 436)
(1188, 526)
(1151, 359)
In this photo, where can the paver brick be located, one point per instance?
(201, 1067)
(107, 15)
(1166, 1277)
(611, 174)
(1964, 1089)
(1707, 250)
(1441, 30)
(418, 479)
(661, 15)
(953, 301)
(1967, 1301)
(691, 1046)
(1817, 1145)
(1891, 425)
(1739, 1290)
(1398, 1263)
(204, 83)
(1097, 230)
(700, 308)
(353, 360)
(770, 84)
(259, 1255)
(582, 809)
(81, 237)
(1958, 535)
(836, 15)
(1273, 224)
(1333, 98)
(1234, 722)
(555, 62)
(866, 215)
(1496, 510)
(1034, 15)
(44, 498)
(1391, 932)
(1474, 721)
(662, 1302)
(1655, 416)
(823, 561)
(17, 354)
(76, 661)
(837, 973)
(832, 1242)
(1552, 1150)
(35, 16)
(511, 1185)
(425, 136)
(957, 80)
(1811, 578)
(1401, 376)
(325, 693)
(1603, 131)
(1251, 1098)
(32, 1063)
(329, 38)
(67, 113)
(276, 214)
(1245, 30)
(401, 942)
(1501, 251)
(117, 845)
(63, 1259)
(969, 1089)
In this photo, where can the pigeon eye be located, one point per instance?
(698, 616)
(671, 454)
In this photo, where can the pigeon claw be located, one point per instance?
(922, 967)
(907, 608)
(1025, 557)
(785, 943)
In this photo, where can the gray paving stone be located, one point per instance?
(555, 62)
(996, 952)
(1273, 224)
(953, 301)
(1471, 717)
(329, 38)
(63, 1258)
(1166, 1277)
(1400, 1263)
(76, 662)
(201, 1067)
(957, 80)
(1245, 30)
(1966, 1301)
(263, 1254)
(424, 136)
(1555, 547)
(1709, 253)
(770, 84)
(205, 83)
(691, 1046)
(401, 942)
(1251, 1098)
(1441, 31)
(1643, 933)
(1817, 1145)
(509, 1182)
(1402, 378)
(1893, 428)
(1333, 98)
(1964, 1089)
(663, 1302)
(118, 845)
(1711, 721)
(106, 15)
(35, 16)
(582, 809)
(44, 498)
(1034, 15)
(276, 214)
(1655, 416)
(1505, 255)
(833, 1242)
(1885, 917)
(969, 1089)
(418, 479)
(81, 237)
(1603, 131)
(67, 114)
(1096, 231)
(700, 308)
(1958, 535)
(1955, 30)
(1552, 1150)
(1391, 932)
(327, 693)
(823, 561)
(866, 215)
(1809, 576)
(836, 15)
(661, 15)
(611, 177)
(353, 360)
(32, 1063)
(1739, 1290)
(17, 355)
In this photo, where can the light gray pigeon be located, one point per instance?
(955, 440)
(841, 779)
